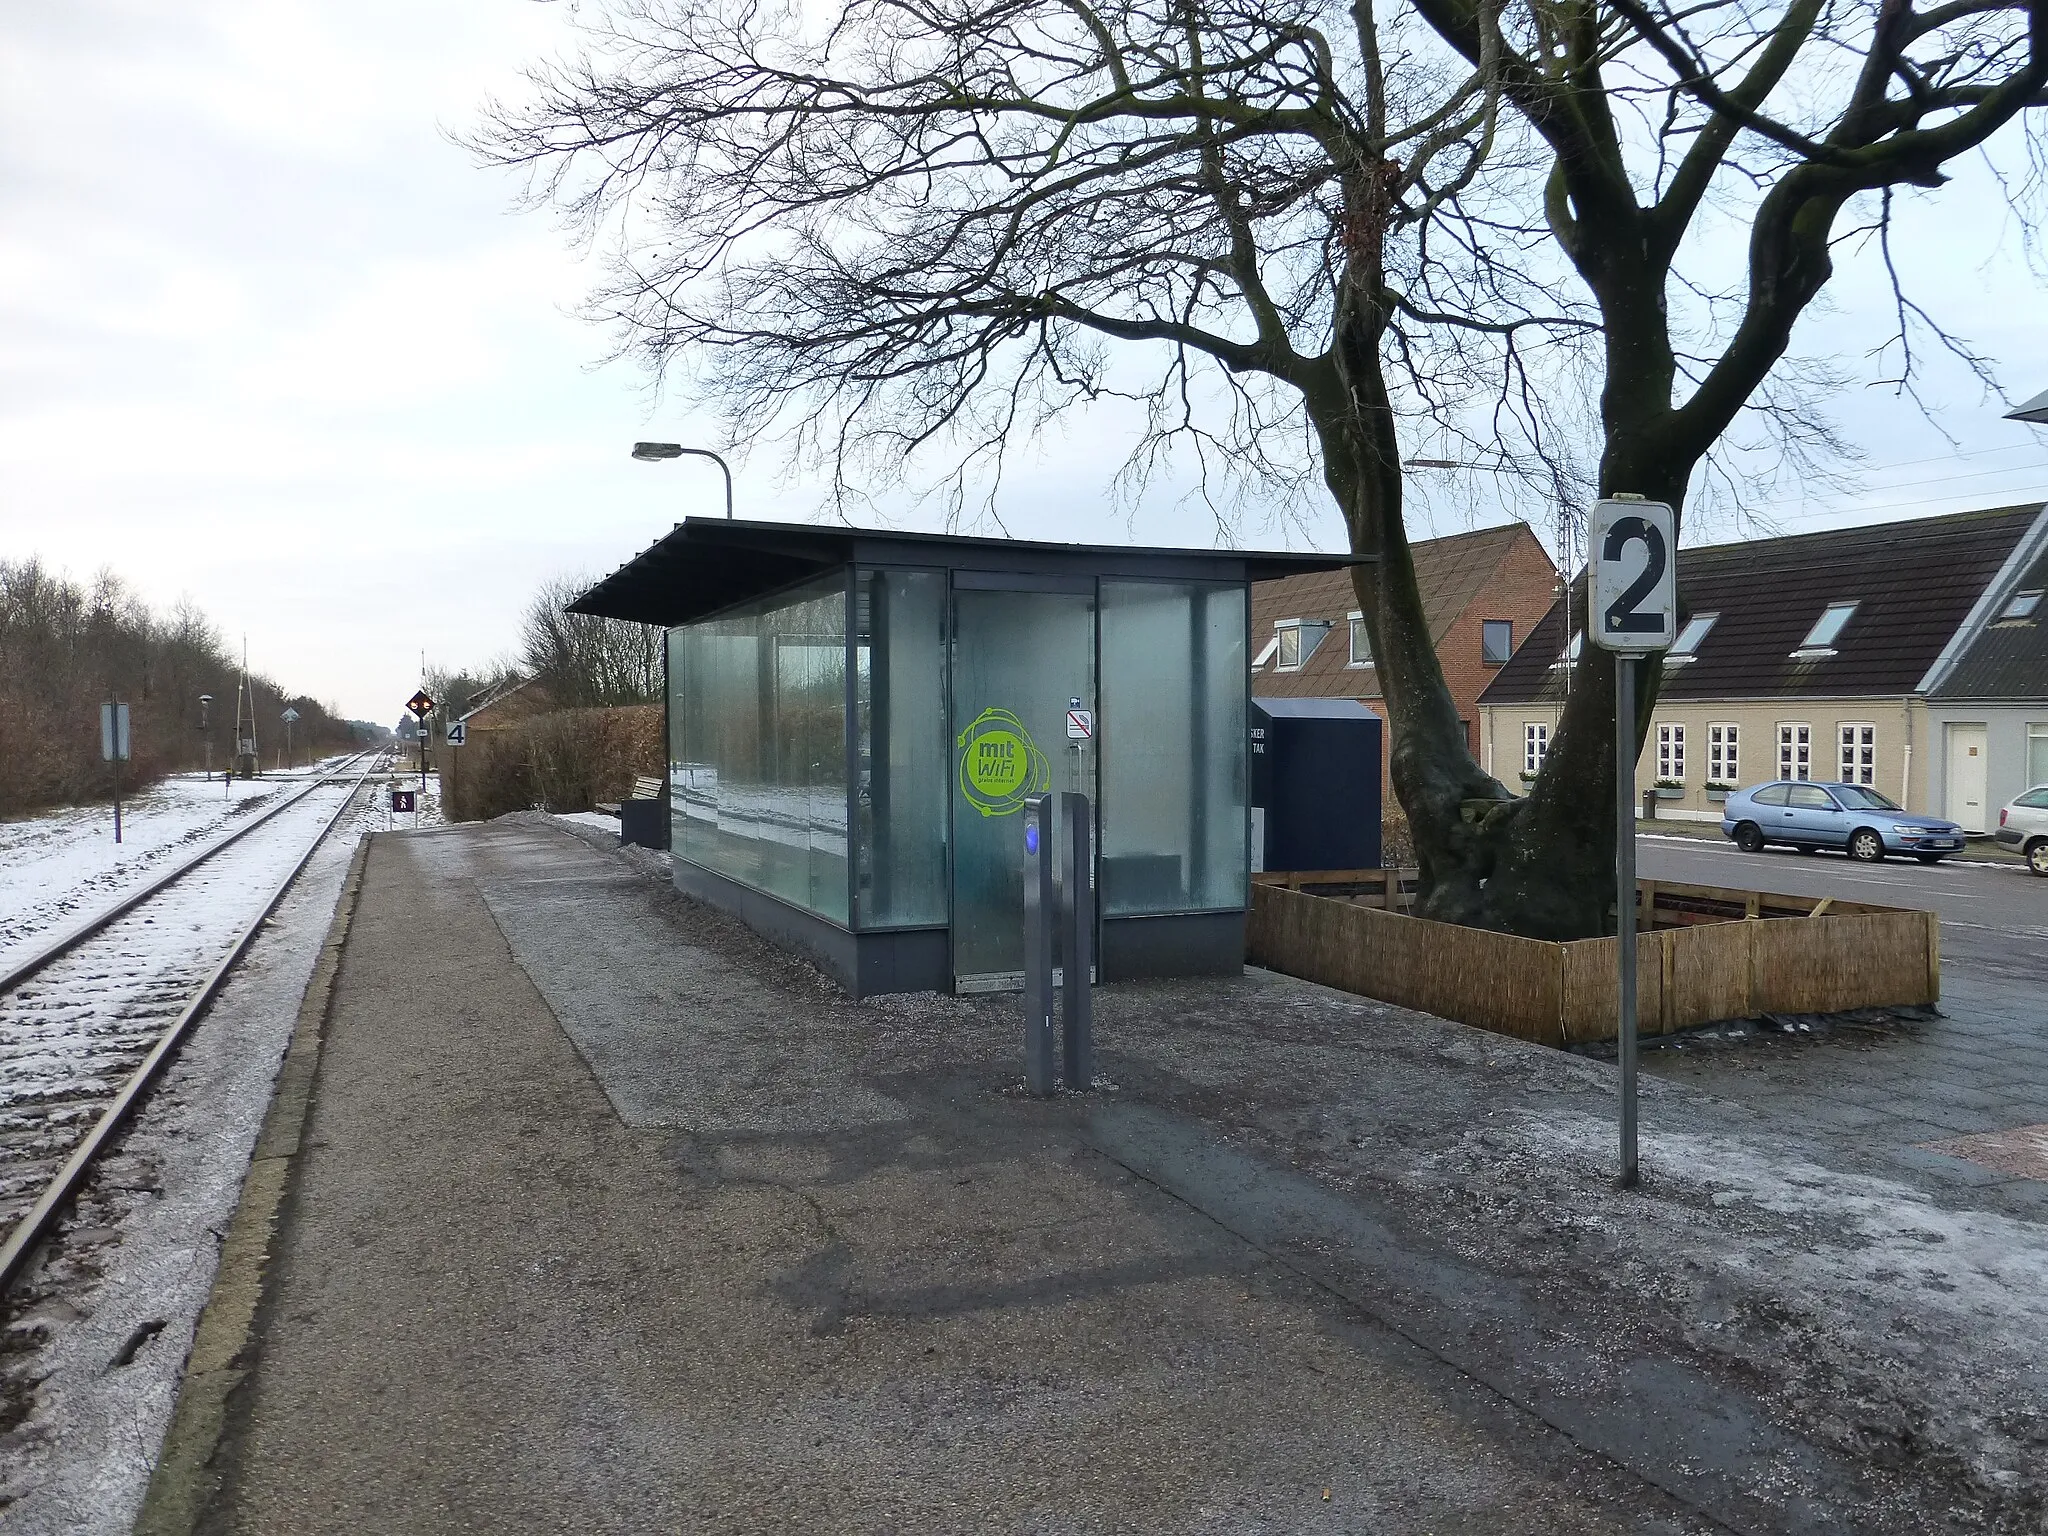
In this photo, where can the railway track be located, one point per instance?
(89, 1019)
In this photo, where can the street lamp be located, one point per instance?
(205, 703)
(654, 453)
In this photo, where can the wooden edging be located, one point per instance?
(1718, 954)
(186, 1475)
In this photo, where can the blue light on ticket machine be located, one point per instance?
(1030, 838)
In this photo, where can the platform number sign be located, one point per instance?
(458, 733)
(1635, 576)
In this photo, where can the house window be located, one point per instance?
(2037, 754)
(2022, 605)
(1686, 647)
(1299, 639)
(1535, 742)
(1820, 639)
(1496, 641)
(1671, 752)
(1361, 643)
(1859, 752)
(1795, 749)
(1724, 764)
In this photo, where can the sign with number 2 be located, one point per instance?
(1635, 576)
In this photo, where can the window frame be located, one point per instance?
(1535, 745)
(1724, 752)
(1818, 643)
(1671, 750)
(1856, 752)
(1282, 628)
(1791, 745)
(2013, 612)
(1358, 634)
(1699, 626)
(1486, 628)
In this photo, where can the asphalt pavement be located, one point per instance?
(607, 1216)
(1959, 1103)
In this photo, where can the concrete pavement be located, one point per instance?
(608, 1217)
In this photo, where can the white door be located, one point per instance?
(1967, 777)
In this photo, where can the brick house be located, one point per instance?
(1483, 593)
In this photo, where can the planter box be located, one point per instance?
(1664, 793)
(1707, 953)
(1718, 796)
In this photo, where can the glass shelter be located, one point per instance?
(855, 720)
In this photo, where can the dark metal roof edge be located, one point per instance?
(828, 544)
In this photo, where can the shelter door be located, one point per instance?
(1019, 660)
(1967, 777)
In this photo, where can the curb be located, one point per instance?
(187, 1476)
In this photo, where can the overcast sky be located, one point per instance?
(271, 342)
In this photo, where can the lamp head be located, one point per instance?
(654, 453)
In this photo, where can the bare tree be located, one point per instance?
(583, 661)
(902, 229)
(1801, 120)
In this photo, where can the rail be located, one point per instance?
(28, 1233)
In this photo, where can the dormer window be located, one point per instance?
(1299, 639)
(1571, 652)
(1820, 640)
(2022, 605)
(1687, 646)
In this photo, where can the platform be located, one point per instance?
(610, 1217)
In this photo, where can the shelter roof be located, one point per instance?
(705, 565)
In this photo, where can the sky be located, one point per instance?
(269, 340)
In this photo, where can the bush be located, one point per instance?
(569, 760)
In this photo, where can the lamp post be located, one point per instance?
(205, 734)
(654, 453)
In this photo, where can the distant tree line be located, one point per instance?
(65, 648)
(574, 660)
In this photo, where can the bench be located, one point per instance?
(643, 815)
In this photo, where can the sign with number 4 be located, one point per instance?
(1635, 576)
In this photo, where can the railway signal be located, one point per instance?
(421, 704)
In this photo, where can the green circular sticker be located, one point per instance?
(1000, 765)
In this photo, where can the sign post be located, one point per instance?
(114, 748)
(1634, 613)
(289, 716)
(1041, 914)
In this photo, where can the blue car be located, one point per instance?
(1852, 817)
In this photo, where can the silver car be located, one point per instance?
(2023, 827)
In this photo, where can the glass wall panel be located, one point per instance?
(757, 701)
(900, 703)
(1172, 737)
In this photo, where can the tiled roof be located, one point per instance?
(1913, 584)
(2008, 658)
(1451, 571)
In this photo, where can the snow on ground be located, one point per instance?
(61, 865)
(1893, 1319)
(426, 811)
(146, 1236)
(596, 819)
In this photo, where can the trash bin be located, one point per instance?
(1649, 805)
